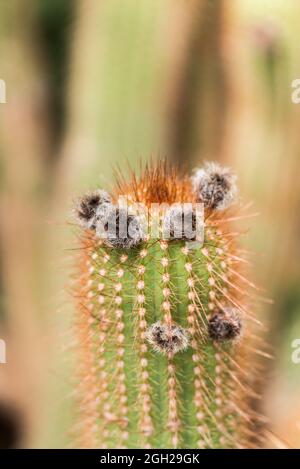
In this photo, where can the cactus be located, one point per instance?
(166, 341)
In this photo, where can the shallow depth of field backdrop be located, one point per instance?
(91, 84)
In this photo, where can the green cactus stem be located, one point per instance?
(166, 353)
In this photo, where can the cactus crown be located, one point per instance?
(163, 361)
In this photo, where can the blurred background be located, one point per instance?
(91, 84)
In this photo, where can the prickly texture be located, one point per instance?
(162, 361)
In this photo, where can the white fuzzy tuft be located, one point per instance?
(90, 207)
(215, 186)
(167, 339)
(119, 229)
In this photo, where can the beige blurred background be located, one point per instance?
(91, 84)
